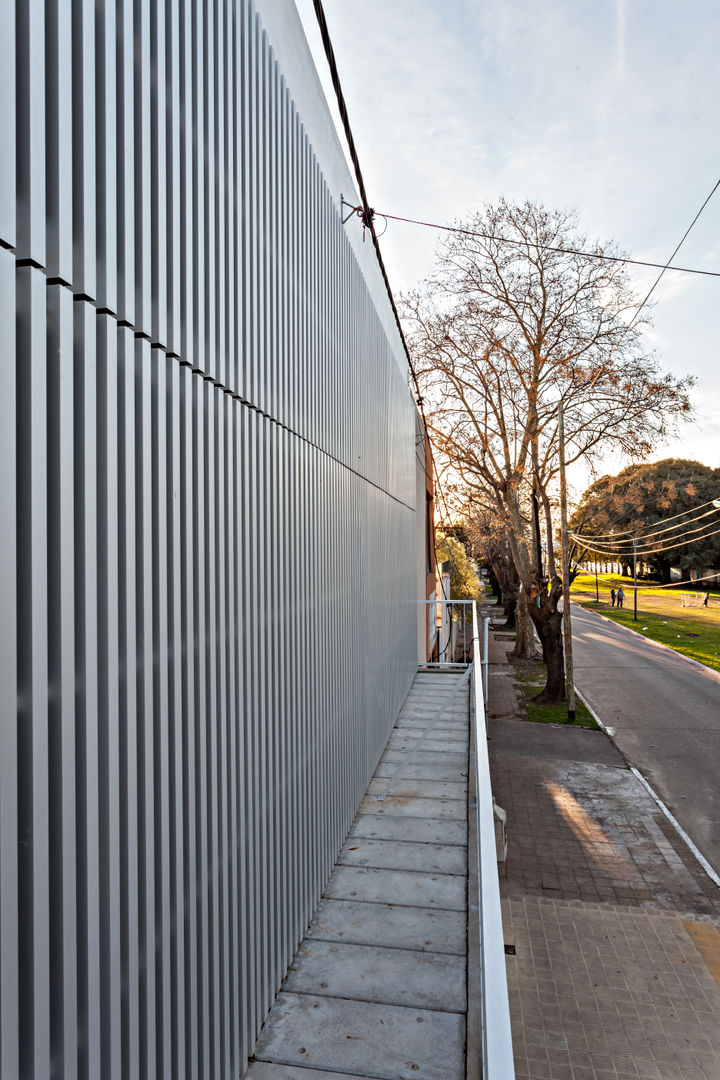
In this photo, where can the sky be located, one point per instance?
(607, 107)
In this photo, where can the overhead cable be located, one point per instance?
(667, 266)
(644, 537)
(548, 247)
(624, 556)
(674, 517)
(367, 209)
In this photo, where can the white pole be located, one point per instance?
(567, 627)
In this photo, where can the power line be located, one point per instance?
(617, 556)
(667, 266)
(367, 211)
(548, 247)
(629, 532)
(659, 532)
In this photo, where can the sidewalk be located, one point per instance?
(612, 929)
(378, 987)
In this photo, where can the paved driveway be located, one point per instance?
(664, 714)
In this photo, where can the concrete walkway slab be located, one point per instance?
(378, 987)
(412, 977)
(414, 830)
(398, 887)
(270, 1070)
(429, 759)
(398, 926)
(430, 789)
(401, 855)
(363, 1038)
(419, 771)
(407, 806)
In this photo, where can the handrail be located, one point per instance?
(497, 1053)
(452, 638)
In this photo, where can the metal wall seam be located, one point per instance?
(129, 749)
(59, 139)
(200, 635)
(9, 910)
(30, 132)
(160, 707)
(185, 184)
(245, 420)
(287, 762)
(125, 130)
(187, 719)
(158, 108)
(230, 200)
(212, 720)
(87, 738)
(8, 141)
(149, 1033)
(61, 673)
(230, 731)
(106, 157)
(32, 674)
(143, 169)
(244, 216)
(172, 177)
(260, 398)
(84, 150)
(253, 550)
(221, 797)
(221, 171)
(263, 714)
(177, 961)
(108, 661)
(235, 124)
(208, 209)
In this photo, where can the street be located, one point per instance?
(663, 712)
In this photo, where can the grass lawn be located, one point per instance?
(694, 632)
(529, 681)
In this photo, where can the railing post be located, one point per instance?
(485, 661)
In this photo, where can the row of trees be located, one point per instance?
(514, 321)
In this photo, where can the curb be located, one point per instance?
(659, 644)
(711, 873)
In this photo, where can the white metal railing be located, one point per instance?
(450, 633)
(497, 1053)
(456, 636)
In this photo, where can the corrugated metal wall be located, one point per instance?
(207, 490)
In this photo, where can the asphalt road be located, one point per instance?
(663, 712)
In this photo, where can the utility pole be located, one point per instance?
(567, 626)
(635, 576)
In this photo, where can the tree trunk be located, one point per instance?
(549, 628)
(542, 603)
(509, 606)
(524, 637)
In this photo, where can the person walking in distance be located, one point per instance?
(612, 598)
(620, 596)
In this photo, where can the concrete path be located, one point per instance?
(664, 714)
(612, 929)
(378, 987)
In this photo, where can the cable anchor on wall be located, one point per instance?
(366, 214)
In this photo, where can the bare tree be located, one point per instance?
(514, 320)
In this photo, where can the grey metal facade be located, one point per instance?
(208, 609)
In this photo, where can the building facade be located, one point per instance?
(209, 598)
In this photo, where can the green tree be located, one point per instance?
(659, 498)
(464, 581)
